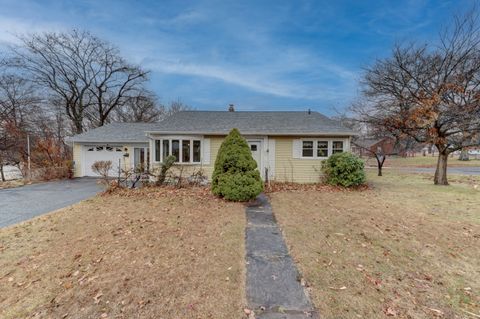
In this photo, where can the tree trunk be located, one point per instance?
(441, 171)
(1, 173)
(78, 127)
(380, 161)
(464, 155)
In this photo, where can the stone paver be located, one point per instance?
(273, 282)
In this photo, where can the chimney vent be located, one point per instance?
(309, 111)
(231, 108)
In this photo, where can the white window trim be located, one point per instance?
(315, 147)
(180, 151)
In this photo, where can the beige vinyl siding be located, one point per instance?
(189, 169)
(77, 158)
(289, 169)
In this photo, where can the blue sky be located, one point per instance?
(259, 55)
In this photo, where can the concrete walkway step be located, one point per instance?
(273, 281)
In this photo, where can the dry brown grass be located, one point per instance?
(12, 184)
(150, 254)
(404, 249)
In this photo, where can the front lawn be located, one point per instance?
(404, 248)
(143, 254)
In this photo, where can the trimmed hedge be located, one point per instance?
(235, 176)
(344, 169)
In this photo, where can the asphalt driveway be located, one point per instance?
(22, 203)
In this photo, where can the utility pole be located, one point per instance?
(28, 157)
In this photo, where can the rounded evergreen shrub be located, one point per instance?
(344, 169)
(235, 176)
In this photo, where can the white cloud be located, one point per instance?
(236, 55)
(252, 78)
(11, 28)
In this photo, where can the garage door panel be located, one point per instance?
(94, 153)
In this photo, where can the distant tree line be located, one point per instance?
(53, 85)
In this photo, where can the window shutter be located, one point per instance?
(206, 151)
(297, 149)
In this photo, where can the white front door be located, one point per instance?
(256, 149)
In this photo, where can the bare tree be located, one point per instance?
(83, 73)
(18, 105)
(430, 93)
(378, 147)
(176, 106)
(143, 107)
(115, 83)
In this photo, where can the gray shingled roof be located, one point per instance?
(218, 123)
(116, 132)
(270, 123)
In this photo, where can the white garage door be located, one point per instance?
(95, 153)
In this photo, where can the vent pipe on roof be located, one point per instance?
(231, 108)
(309, 111)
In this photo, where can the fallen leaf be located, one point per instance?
(390, 312)
(97, 298)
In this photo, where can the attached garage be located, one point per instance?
(102, 152)
(124, 143)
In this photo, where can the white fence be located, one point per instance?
(11, 172)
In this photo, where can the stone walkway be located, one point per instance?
(273, 282)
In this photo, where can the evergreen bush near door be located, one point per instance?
(344, 169)
(235, 176)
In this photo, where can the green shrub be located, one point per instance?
(344, 169)
(166, 165)
(235, 176)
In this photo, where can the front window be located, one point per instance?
(157, 151)
(176, 149)
(196, 151)
(307, 149)
(184, 150)
(322, 148)
(166, 148)
(337, 147)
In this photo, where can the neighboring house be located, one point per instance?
(288, 146)
(365, 147)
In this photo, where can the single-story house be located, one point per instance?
(288, 146)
